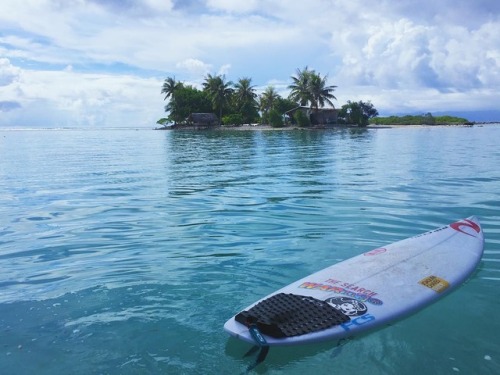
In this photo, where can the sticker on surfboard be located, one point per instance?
(348, 306)
(435, 283)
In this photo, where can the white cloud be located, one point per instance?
(413, 64)
(194, 67)
(8, 72)
(468, 59)
(224, 69)
(159, 5)
(246, 6)
(392, 55)
(84, 99)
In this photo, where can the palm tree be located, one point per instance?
(268, 99)
(245, 98)
(219, 91)
(300, 91)
(308, 87)
(320, 92)
(245, 92)
(170, 86)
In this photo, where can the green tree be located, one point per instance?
(310, 88)
(283, 105)
(320, 91)
(369, 110)
(357, 113)
(428, 119)
(233, 119)
(301, 119)
(187, 100)
(275, 118)
(170, 86)
(299, 89)
(245, 100)
(268, 100)
(163, 122)
(219, 91)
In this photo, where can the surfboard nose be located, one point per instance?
(470, 227)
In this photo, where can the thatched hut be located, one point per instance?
(201, 120)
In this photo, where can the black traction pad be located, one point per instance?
(287, 315)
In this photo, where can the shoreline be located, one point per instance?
(320, 127)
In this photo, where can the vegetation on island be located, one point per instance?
(358, 113)
(425, 119)
(239, 103)
(309, 88)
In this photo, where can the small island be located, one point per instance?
(222, 104)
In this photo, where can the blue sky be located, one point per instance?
(85, 63)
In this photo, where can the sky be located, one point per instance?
(101, 63)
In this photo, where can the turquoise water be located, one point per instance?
(125, 251)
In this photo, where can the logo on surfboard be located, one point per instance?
(347, 306)
(378, 251)
(465, 226)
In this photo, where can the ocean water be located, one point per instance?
(125, 251)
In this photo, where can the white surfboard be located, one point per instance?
(368, 291)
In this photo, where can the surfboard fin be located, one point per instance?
(261, 344)
(340, 345)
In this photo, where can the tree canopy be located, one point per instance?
(357, 113)
(245, 100)
(310, 88)
(219, 92)
(239, 103)
(424, 119)
(186, 100)
(170, 86)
